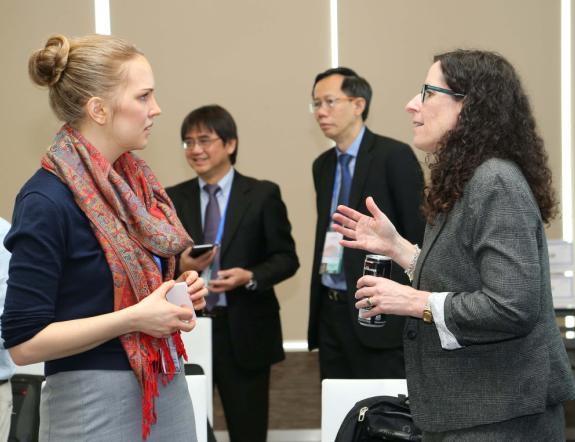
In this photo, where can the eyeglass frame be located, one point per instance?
(441, 90)
(201, 143)
(329, 102)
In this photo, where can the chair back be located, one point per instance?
(338, 396)
(197, 386)
(198, 345)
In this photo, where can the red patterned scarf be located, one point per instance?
(133, 219)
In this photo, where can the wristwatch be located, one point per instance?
(427, 314)
(252, 285)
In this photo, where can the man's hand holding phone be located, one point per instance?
(201, 261)
(200, 249)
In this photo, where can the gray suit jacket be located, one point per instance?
(490, 253)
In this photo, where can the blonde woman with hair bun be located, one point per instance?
(93, 241)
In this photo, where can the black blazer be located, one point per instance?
(257, 237)
(387, 170)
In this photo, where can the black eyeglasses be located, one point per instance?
(427, 87)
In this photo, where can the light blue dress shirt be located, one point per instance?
(222, 196)
(326, 278)
(7, 367)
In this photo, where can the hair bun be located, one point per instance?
(46, 65)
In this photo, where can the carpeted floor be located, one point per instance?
(295, 394)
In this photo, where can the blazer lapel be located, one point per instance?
(325, 190)
(238, 204)
(431, 234)
(361, 171)
(192, 212)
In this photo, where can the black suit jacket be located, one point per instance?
(257, 237)
(387, 170)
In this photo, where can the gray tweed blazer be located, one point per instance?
(490, 253)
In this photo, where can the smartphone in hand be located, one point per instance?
(178, 295)
(200, 249)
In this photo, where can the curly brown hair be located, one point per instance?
(495, 122)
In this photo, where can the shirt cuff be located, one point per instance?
(437, 304)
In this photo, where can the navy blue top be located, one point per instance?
(58, 272)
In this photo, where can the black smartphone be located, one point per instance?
(200, 249)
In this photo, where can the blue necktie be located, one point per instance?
(343, 198)
(345, 184)
(211, 223)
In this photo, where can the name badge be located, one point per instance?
(174, 356)
(332, 255)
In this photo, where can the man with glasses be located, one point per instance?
(361, 164)
(247, 221)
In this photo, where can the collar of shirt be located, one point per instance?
(354, 148)
(226, 187)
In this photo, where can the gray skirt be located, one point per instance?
(106, 405)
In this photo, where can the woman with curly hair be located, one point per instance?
(484, 357)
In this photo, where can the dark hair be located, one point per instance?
(495, 122)
(353, 85)
(213, 118)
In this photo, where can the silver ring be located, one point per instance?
(369, 304)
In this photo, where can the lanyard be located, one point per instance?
(158, 262)
(220, 231)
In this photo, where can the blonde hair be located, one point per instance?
(77, 69)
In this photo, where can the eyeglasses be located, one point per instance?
(427, 87)
(330, 103)
(202, 142)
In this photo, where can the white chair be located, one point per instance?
(197, 386)
(338, 396)
(198, 345)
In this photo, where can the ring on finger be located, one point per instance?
(369, 304)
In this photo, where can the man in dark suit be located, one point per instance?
(361, 164)
(255, 252)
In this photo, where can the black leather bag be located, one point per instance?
(379, 418)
